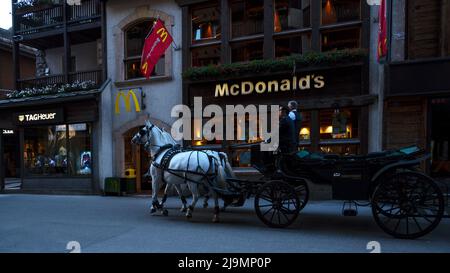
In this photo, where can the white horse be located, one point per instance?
(193, 168)
(220, 157)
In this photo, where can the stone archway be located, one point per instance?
(119, 146)
(139, 13)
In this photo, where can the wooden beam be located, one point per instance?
(67, 53)
(186, 37)
(16, 64)
(316, 7)
(315, 130)
(15, 49)
(225, 51)
(444, 27)
(104, 43)
(364, 130)
(268, 48)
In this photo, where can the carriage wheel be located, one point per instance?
(302, 191)
(407, 205)
(277, 204)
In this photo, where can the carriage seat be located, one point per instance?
(305, 154)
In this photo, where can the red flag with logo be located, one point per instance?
(155, 46)
(382, 31)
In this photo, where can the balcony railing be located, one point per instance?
(45, 18)
(93, 75)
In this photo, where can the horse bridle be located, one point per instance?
(147, 143)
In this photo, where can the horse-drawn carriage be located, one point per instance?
(406, 203)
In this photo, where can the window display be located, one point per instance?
(45, 150)
(80, 148)
(58, 150)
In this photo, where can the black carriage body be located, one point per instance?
(351, 177)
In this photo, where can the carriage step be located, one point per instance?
(350, 212)
(350, 208)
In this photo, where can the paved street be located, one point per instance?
(41, 223)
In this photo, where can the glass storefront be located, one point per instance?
(58, 150)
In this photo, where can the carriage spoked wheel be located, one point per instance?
(407, 205)
(302, 192)
(277, 204)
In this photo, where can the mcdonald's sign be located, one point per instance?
(127, 98)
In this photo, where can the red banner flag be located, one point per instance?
(382, 31)
(155, 46)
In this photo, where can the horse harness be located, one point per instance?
(170, 151)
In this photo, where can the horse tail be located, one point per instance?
(221, 176)
(226, 165)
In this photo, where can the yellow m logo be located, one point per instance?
(163, 34)
(127, 98)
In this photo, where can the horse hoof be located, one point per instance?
(165, 212)
(183, 209)
(188, 216)
(215, 219)
(152, 210)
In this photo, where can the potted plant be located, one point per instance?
(27, 6)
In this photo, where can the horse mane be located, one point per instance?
(165, 135)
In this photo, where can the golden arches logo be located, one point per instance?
(144, 68)
(126, 98)
(163, 34)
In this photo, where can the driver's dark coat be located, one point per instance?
(287, 135)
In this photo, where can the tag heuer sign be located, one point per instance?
(40, 117)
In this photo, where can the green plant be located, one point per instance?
(31, 3)
(25, 3)
(309, 59)
(52, 89)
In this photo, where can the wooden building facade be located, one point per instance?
(417, 94)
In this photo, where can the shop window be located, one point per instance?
(247, 51)
(291, 14)
(241, 158)
(134, 42)
(286, 46)
(338, 124)
(80, 159)
(339, 131)
(206, 55)
(58, 150)
(340, 11)
(45, 151)
(247, 17)
(340, 39)
(305, 131)
(206, 24)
